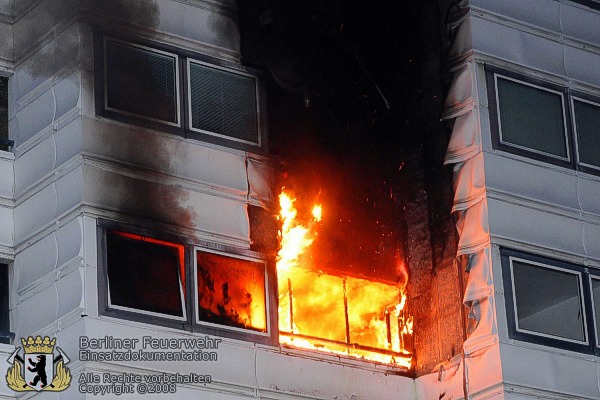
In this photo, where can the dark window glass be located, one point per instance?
(141, 82)
(587, 127)
(145, 274)
(531, 118)
(4, 319)
(231, 291)
(548, 301)
(596, 300)
(223, 103)
(3, 113)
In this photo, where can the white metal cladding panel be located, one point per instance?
(47, 61)
(559, 373)
(39, 21)
(34, 117)
(580, 22)
(536, 227)
(543, 13)
(591, 240)
(36, 312)
(35, 262)
(589, 194)
(530, 180)
(6, 44)
(200, 24)
(44, 112)
(244, 369)
(166, 203)
(68, 140)
(166, 153)
(582, 65)
(525, 48)
(7, 179)
(35, 212)
(6, 226)
(55, 199)
(323, 379)
(33, 165)
(48, 254)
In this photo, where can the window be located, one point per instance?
(544, 121)
(148, 85)
(148, 277)
(586, 121)
(550, 302)
(222, 103)
(5, 335)
(4, 142)
(140, 81)
(231, 291)
(145, 275)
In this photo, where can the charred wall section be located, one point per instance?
(354, 109)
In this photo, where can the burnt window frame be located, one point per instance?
(184, 126)
(591, 344)
(270, 337)
(568, 96)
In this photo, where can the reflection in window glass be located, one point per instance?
(548, 301)
(231, 291)
(531, 118)
(223, 103)
(141, 82)
(596, 299)
(145, 274)
(587, 125)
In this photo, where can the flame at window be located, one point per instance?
(336, 312)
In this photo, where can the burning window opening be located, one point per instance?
(231, 291)
(335, 312)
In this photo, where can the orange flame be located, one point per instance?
(336, 313)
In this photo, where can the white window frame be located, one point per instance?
(564, 117)
(581, 299)
(150, 50)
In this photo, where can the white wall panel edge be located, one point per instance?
(524, 26)
(90, 265)
(55, 31)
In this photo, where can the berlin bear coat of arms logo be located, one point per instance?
(39, 369)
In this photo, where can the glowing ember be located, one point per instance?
(337, 313)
